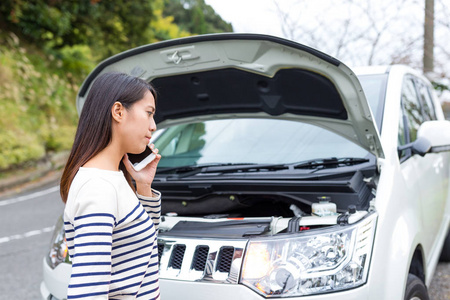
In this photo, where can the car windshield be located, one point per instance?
(259, 141)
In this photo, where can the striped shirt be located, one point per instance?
(111, 235)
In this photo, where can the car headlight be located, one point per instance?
(310, 262)
(58, 249)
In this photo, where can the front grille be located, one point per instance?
(200, 259)
(160, 251)
(225, 258)
(177, 256)
(200, 256)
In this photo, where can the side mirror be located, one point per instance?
(432, 136)
(420, 146)
(437, 133)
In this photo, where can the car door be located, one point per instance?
(432, 169)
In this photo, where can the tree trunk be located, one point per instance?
(428, 39)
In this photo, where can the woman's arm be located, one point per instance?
(152, 206)
(92, 217)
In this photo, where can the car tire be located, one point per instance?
(415, 289)
(445, 254)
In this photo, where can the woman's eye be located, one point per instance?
(150, 113)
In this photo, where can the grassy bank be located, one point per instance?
(37, 106)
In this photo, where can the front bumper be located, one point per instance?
(54, 285)
(173, 289)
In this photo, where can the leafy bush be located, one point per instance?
(37, 105)
(77, 59)
(18, 147)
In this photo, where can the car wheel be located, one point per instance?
(445, 254)
(415, 289)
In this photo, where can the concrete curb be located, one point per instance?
(44, 172)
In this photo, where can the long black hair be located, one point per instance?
(94, 131)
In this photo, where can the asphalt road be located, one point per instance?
(26, 225)
(26, 228)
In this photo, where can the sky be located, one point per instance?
(252, 16)
(260, 16)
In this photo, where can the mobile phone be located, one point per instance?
(139, 161)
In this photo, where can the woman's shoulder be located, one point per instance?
(94, 187)
(95, 178)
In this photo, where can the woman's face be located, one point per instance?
(138, 125)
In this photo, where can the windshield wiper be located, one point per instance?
(201, 168)
(187, 171)
(315, 164)
(331, 162)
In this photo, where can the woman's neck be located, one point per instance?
(107, 159)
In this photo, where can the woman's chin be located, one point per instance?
(137, 151)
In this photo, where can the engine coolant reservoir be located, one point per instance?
(324, 207)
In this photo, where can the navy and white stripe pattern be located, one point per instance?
(111, 234)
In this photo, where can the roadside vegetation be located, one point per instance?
(48, 47)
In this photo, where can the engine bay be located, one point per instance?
(246, 208)
(264, 197)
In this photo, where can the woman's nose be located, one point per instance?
(152, 125)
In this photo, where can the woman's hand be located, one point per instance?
(144, 177)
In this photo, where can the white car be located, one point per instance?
(287, 174)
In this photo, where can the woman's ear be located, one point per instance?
(118, 111)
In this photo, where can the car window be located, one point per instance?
(402, 134)
(427, 103)
(411, 109)
(374, 87)
(258, 141)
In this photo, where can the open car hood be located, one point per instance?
(248, 75)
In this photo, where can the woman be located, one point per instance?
(110, 226)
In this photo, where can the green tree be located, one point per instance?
(196, 16)
(106, 26)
